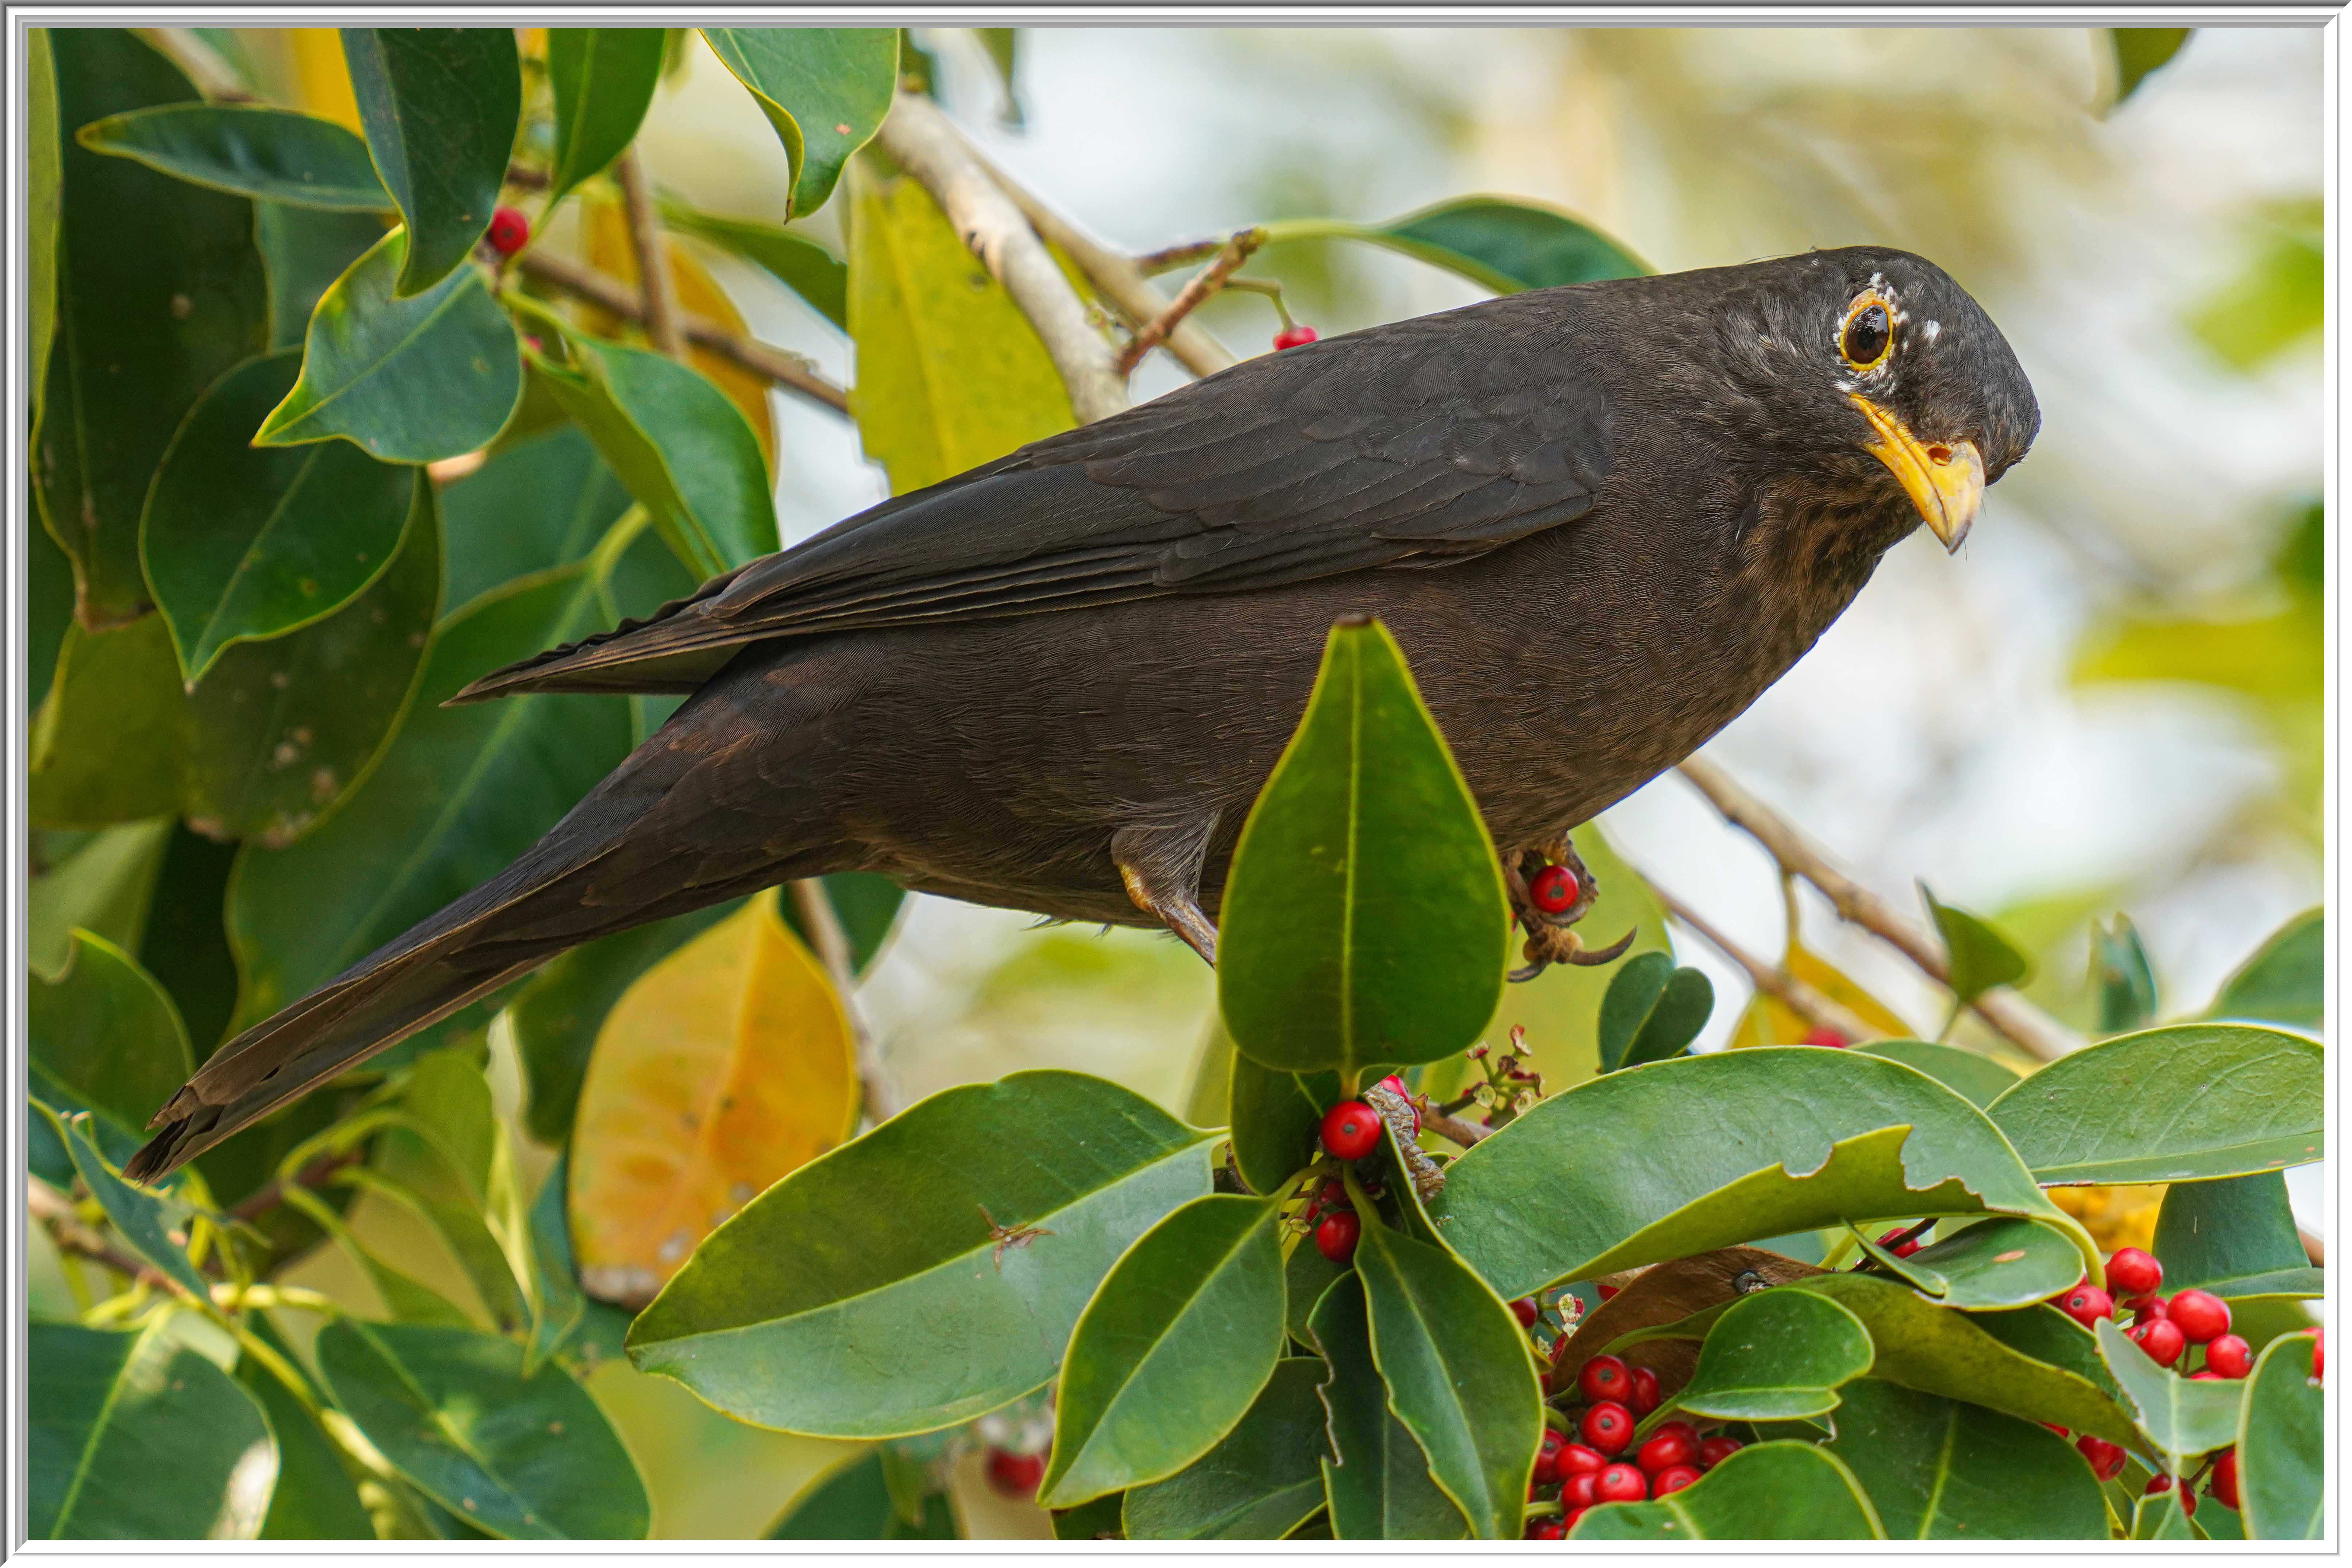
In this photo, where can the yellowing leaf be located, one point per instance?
(726, 1066)
(322, 83)
(1770, 1021)
(949, 374)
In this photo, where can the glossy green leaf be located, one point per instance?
(1306, 1277)
(49, 602)
(411, 379)
(1975, 1078)
(2126, 981)
(247, 150)
(2284, 981)
(2140, 50)
(2179, 1416)
(1377, 1484)
(1096, 1520)
(316, 1497)
(459, 793)
(604, 80)
(1652, 1011)
(185, 946)
(1980, 957)
(2282, 1446)
(243, 543)
(1994, 1264)
(2236, 1239)
(105, 886)
(1938, 1469)
(1775, 1355)
(1498, 243)
(159, 290)
(1275, 1117)
(304, 250)
(540, 503)
(133, 1436)
(1684, 1156)
(1766, 1491)
(524, 1457)
(824, 89)
(1364, 918)
(799, 264)
(2183, 1103)
(1178, 1339)
(440, 106)
(1262, 1481)
(405, 1297)
(44, 196)
(1013, 1200)
(852, 1503)
(2160, 1518)
(103, 1037)
(105, 744)
(150, 1226)
(1458, 1374)
(678, 444)
(558, 1308)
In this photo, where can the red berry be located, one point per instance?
(1896, 1242)
(2162, 1340)
(1526, 1311)
(1645, 1391)
(1576, 1491)
(2318, 1355)
(2230, 1356)
(1827, 1037)
(1336, 1237)
(1397, 1087)
(1554, 890)
(1294, 337)
(1352, 1130)
(2146, 1308)
(1568, 1520)
(1548, 1457)
(2086, 1304)
(1551, 1527)
(2224, 1483)
(1712, 1451)
(2107, 1458)
(1605, 1377)
(2134, 1272)
(509, 232)
(1576, 1459)
(1673, 1478)
(1620, 1483)
(2205, 1375)
(1665, 1451)
(1016, 1475)
(1608, 1426)
(2163, 1484)
(2200, 1315)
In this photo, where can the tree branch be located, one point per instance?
(1809, 1002)
(609, 293)
(54, 1211)
(2012, 1015)
(831, 944)
(1203, 283)
(927, 146)
(270, 1193)
(654, 285)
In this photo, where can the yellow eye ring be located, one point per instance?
(1866, 337)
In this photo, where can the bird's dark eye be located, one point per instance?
(1868, 335)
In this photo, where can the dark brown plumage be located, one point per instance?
(1599, 521)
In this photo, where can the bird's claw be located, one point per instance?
(1549, 938)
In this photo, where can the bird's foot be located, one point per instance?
(1536, 904)
(1160, 865)
(1177, 912)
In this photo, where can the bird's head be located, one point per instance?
(1872, 371)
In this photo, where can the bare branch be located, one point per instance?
(831, 944)
(56, 1213)
(1205, 282)
(1809, 1002)
(654, 284)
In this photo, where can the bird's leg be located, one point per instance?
(1550, 939)
(1160, 865)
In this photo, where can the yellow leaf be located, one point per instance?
(725, 1067)
(322, 83)
(950, 374)
(1770, 1021)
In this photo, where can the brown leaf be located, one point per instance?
(1665, 1293)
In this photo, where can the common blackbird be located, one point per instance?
(1599, 521)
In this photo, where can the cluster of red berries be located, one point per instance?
(510, 231)
(1016, 1475)
(1294, 337)
(1594, 1466)
(1352, 1130)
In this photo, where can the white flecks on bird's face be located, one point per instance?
(1927, 329)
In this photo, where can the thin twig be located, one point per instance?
(1203, 283)
(2012, 1015)
(1175, 256)
(1809, 1002)
(56, 1213)
(655, 287)
(831, 944)
(609, 293)
(271, 1194)
(925, 143)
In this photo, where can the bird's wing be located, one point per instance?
(1414, 444)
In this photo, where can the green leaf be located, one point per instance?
(1307, 1277)
(1684, 1157)
(1652, 1011)
(1938, 1469)
(316, 1498)
(1993, 1264)
(1458, 1374)
(1379, 1487)
(524, 1457)
(557, 1308)
(604, 80)
(440, 106)
(1096, 1520)
(950, 372)
(540, 503)
(824, 89)
(1766, 1491)
(44, 187)
(2140, 50)
(2127, 982)
(153, 1226)
(799, 264)
(1977, 1079)
(677, 443)
(105, 886)
(2283, 981)
(185, 945)
(2160, 1518)
(459, 793)
(2179, 1417)
(1275, 1117)
(1179, 1337)
(1496, 242)
(133, 1436)
(409, 1301)
(304, 250)
(411, 379)
(1980, 957)
(2282, 1446)
(1014, 1199)
(2236, 1239)
(852, 1503)
(1774, 1355)
(247, 150)
(48, 602)
(1260, 1483)
(243, 543)
(2183, 1103)
(103, 1037)
(159, 290)
(1364, 919)
(105, 745)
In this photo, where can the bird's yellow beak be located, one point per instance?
(1946, 483)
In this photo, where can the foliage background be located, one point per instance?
(2013, 726)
